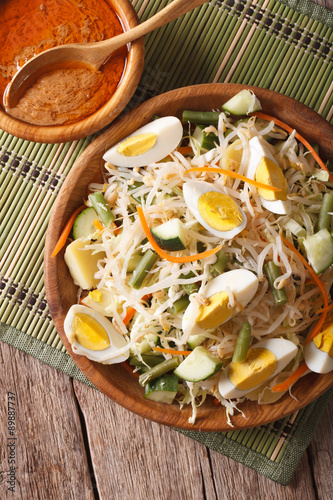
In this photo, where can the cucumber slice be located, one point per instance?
(206, 141)
(319, 250)
(198, 365)
(195, 340)
(163, 389)
(84, 223)
(243, 103)
(170, 236)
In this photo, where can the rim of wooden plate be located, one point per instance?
(117, 381)
(104, 115)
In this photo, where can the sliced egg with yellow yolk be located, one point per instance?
(216, 309)
(264, 361)
(262, 167)
(318, 353)
(216, 211)
(92, 335)
(149, 144)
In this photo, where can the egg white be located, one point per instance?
(117, 341)
(192, 190)
(242, 283)
(318, 361)
(258, 149)
(284, 351)
(169, 132)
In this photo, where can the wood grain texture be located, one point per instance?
(103, 116)
(50, 452)
(114, 380)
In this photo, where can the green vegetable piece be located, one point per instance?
(147, 359)
(273, 272)
(157, 371)
(180, 305)
(170, 236)
(201, 117)
(219, 266)
(242, 344)
(102, 208)
(146, 263)
(206, 141)
(134, 262)
(133, 186)
(84, 223)
(326, 209)
(163, 389)
(195, 340)
(191, 287)
(319, 250)
(242, 103)
(199, 365)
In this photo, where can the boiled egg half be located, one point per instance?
(318, 353)
(92, 335)
(241, 283)
(216, 211)
(149, 144)
(262, 167)
(263, 362)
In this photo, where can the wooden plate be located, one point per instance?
(114, 380)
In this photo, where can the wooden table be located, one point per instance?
(74, 443)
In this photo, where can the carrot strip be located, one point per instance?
(172, 351)
(316, 279)
(116, 229)
(98, 225)
(67, 229)
(233, 174)
(184, 150)
(164, 255)
(326, 309)
(131, 311)
(129, 315)
(298, 136)
(216, 402)
(284, 386)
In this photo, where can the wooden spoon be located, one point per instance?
(91, 54)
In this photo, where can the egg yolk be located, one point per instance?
(219, 211)
(215, 312)
(270, 173)
(89, 333)
(137, 145)
(96, 295)
(324, 340)
(259, 365)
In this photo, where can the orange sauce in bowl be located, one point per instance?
(65, 95)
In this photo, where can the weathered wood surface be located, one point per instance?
(74, 443)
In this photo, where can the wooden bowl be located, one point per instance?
(108, 112)
(114, 380)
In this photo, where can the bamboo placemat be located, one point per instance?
(285, 46)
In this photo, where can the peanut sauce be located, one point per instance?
(67, 94)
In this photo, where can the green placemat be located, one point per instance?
(286, 47)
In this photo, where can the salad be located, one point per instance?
(204, 259)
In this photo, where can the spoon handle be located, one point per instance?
(171, 12)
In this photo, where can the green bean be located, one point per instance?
(134, 262)
(201, 117)
(326, 209)
(242, 344)
(180, 305)
(157, 371)
(133, 186)
(102, 208)
(191, 287)
(273, 272)
(146, 263)
(147, 359)
(219, 266)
